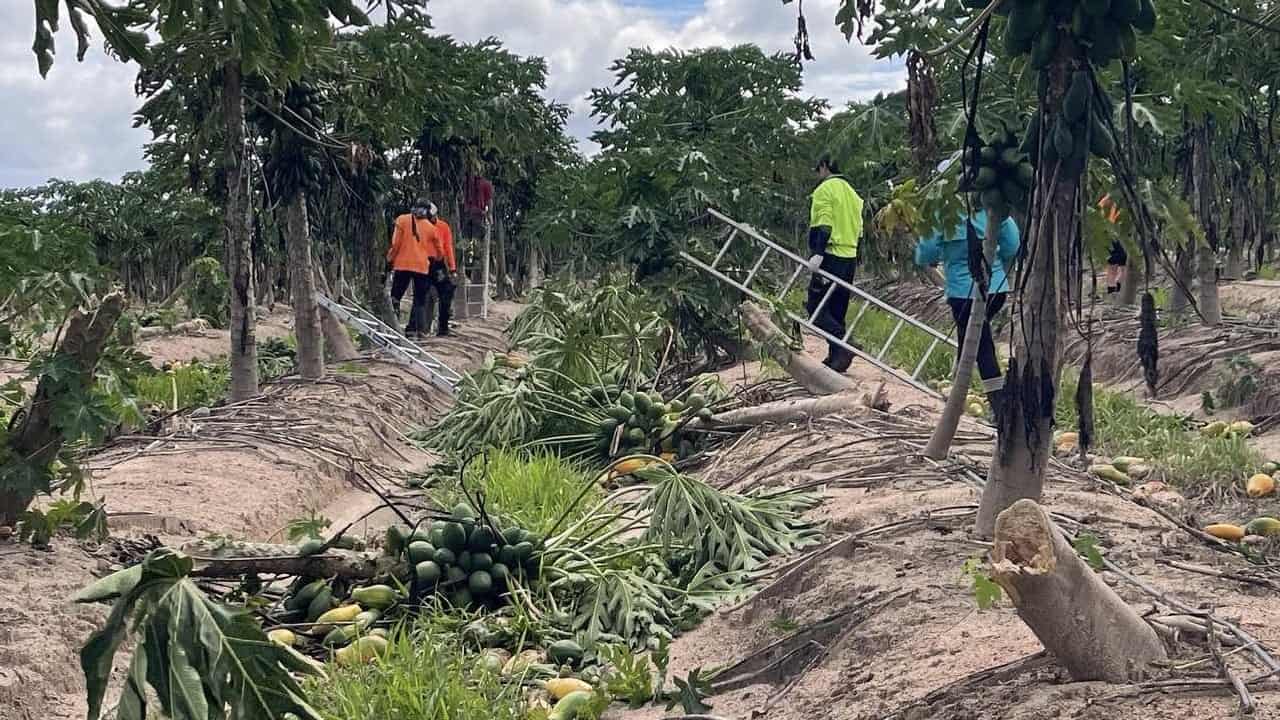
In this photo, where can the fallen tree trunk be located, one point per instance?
(336, 340)
(788, 411)
(188, 327)
(237, 559)
(813, 375)
(1076, 616)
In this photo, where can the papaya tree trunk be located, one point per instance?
(336, 339)
(302, 291)
(811, 374)
(244, 345)
(945, 431)
(1135, 273)
(1076, 615)
(373, 243)
(38, 438)
(1203, 205)
(1024, 409)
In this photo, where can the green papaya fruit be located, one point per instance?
(985, 178)
(1010, 158)
(1106, 43)
(1025, 175)
(1015, 41)
(1126, 11)
(1097, 8)
(1076, 102)
(1128, 43)
(1031, 140)
(1145, 23)
(1012, 192)
(1062, 141)
(988, 155)
(1101, 144)
(1045, 45)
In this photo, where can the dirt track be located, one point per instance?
(235, 472)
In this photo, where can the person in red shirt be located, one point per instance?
(478, 194)
(413, 245)
(443, 268)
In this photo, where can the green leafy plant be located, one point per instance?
(311, 526)
(84, 519)
(986, 592)
(1086, 546)
(207, 292)
(1237, 382)
(691, 693)
(629, 676)
(196, 658)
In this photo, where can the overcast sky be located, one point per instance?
(77, 123)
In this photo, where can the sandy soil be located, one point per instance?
(1255, 299)
(210, 344)
(232, 472)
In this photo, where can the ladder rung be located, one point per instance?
(724, 248)
(861, 311)
(892, 335)
(817, 310)
(916, 374)
(791, 281)
(756, 268)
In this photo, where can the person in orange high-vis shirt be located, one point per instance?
(1117, 259)
(443, 268)
(413, 245)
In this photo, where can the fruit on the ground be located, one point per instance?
(305, 594)
(1240, 428)
(320, 604)
(427, 572)
(480, 583)
(570, 706)
(1225, 531)
(491, 661)
(420, 551)
(976, 409)
(560, 687)
(1123, 462)
(396, 538)
(343, 614)
(631, 465)
(454, 537)
(444, 557)
(310, 547)
(1109, 472)
(1214, 429)
(482, 538)
(282, 636)
(564, 652)
(1260, 485)
(463, 510)
(1265, 526)
(521, 662)
(378, 597)
(1270, 468)
(364, 649)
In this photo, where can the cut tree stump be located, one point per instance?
(1076, 616)
(813, 375)
(237, 559)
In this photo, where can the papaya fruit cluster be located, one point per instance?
(293, 163)
(999, 172)
(1074, 133)
(643, 422)
(1106, 29)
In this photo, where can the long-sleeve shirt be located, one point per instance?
(834, 204)
(952, 250)
(412, 251)
(444, 241)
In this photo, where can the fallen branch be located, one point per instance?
(789, 411)
(223, 560)
(972, 681)
(813, 375)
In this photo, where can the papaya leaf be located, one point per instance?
(202, 660)
(1086, 546)
(986, 592)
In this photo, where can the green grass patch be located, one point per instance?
(530, 490)
(192, 385)
(425, 675)
(1171, 444)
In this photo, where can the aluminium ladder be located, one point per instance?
(801, 265)
(394, 341)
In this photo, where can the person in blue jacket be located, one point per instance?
(952, 252)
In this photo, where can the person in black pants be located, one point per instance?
(413, 245)
(988, 363)
(835, 225)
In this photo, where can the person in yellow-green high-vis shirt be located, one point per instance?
(835, 225)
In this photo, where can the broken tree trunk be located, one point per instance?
(336, 339)
(813, 375)
(1076, 616)
(38, 439)
(302, 290)
(238, 559)
(788, 411)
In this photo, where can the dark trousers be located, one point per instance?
(834, 310)
(988, 365)
(440, 280)
(400, 282)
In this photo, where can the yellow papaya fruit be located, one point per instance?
(1260, 485)
(344, 614)
(559, 687)
(1225, 531)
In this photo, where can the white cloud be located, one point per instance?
(77, 124)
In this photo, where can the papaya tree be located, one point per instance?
(233, 39)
